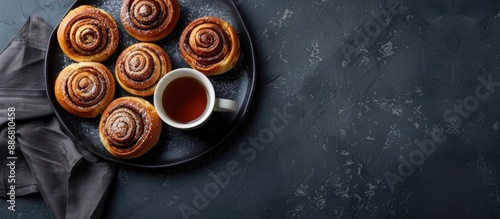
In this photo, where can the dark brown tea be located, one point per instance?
(184, 99)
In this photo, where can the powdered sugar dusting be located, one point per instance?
(175, 144)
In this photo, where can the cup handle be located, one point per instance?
(225, 105)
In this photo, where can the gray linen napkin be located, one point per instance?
(72, 182)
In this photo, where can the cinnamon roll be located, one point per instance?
(85, 89)
(88, 34)
(140, 66)
(210, 45)
(149, 20)
(129, 127)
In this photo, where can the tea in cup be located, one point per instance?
(185, 98)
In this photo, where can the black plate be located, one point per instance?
(175, 146)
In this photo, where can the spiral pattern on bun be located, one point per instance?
(140, 67)
(88, 34)
(210, 45)
(149, 20)
(129, 127)
(85, 89)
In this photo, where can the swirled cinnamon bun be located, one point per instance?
(88, 34)
(149, 20)
(210, 45)
(85, 89)
(129, 127)
(140, 66)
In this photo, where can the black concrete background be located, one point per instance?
(362, 109)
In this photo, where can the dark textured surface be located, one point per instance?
(363, 109)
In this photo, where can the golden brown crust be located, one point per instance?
(139, 68)
(210, 45)
(129, 127)
(85, 89)
(149, 20)
(88, 34)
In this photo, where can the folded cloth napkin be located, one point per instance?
(72, 181)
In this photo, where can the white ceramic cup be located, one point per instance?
(213, 103)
